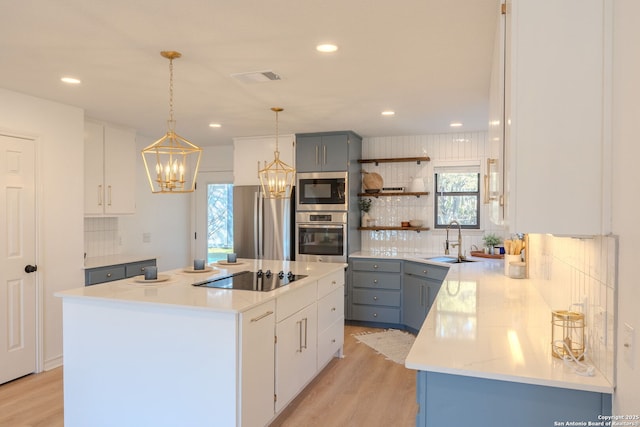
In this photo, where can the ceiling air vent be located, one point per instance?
(256, 76)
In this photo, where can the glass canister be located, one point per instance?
(567, 334)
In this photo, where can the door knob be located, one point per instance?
(30, 268)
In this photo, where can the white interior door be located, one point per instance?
(17, 251)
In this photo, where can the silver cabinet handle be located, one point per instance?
(108, 274)
(305, 332)
(324, 154)
(299, 323)
(317, 159)
(109, 187)
(375, 298)
(375, 314)
(375, 281)
(99, 195)
(424, 271)
(375, 265)
(262, 316)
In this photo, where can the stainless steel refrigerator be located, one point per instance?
(262, 228)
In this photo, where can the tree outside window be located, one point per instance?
(219, 221)
(457, 197)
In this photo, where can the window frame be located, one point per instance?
(438, 194)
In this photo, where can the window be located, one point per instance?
(457, 196)
(219, 221)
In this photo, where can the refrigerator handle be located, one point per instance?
(257, 234)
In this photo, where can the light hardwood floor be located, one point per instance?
(362, 389)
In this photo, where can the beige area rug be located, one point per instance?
(391, 343)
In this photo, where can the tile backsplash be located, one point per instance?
(580, 274)
(101, 236)
(469, 148)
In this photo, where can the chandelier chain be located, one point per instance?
(171, 90)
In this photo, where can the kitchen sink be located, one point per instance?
(448, 259)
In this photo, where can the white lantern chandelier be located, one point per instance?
(171, 162)
(277, 177)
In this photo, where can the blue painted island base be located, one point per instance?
(461, 401)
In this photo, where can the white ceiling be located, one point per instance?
(428, 60)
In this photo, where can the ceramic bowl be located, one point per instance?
(416, 223)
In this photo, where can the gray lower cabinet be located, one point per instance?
(375, 290)
(94, 276)
(461, 401)
(420, 285)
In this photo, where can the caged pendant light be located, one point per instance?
(277, 177)
(171, 162)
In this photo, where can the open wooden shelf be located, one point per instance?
(393, 193)
(395, 160)
(381, 228)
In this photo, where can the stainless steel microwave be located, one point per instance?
(322, 191)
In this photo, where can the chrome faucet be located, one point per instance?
(458, 244)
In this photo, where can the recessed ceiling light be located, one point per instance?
(326, 48)
(71, 80)
(388, 113)
(455, 124)
(215, 125)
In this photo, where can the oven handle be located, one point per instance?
(321, 226)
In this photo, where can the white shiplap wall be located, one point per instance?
(443, 149)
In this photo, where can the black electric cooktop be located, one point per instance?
(252, 280)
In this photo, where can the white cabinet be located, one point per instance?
(497, 168)
(250, 154)
(296, 343)
(560, 116)
(110, 161)
(330, 317)
(330, 326)
(257, 355)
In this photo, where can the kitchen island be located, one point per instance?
(169, 353)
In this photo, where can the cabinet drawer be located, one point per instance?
(137, 268)
(369, 313)
(330, 341)
(330, 308)
(363, 279)
(428, 271)
(295, 300)
(104, 274)
(376, 265)
(329, 283)
(376, 297)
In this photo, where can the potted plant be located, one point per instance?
(490, 241)
(365, 207)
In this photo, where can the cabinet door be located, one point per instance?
(256, 370)
(560, 116)
(93, 168)
(334, 152)
(414, 301)
(119, 170)
(296, 352)
(308, 153)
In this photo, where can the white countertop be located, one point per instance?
(486, 325)
(107, 260)
(178, 291)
